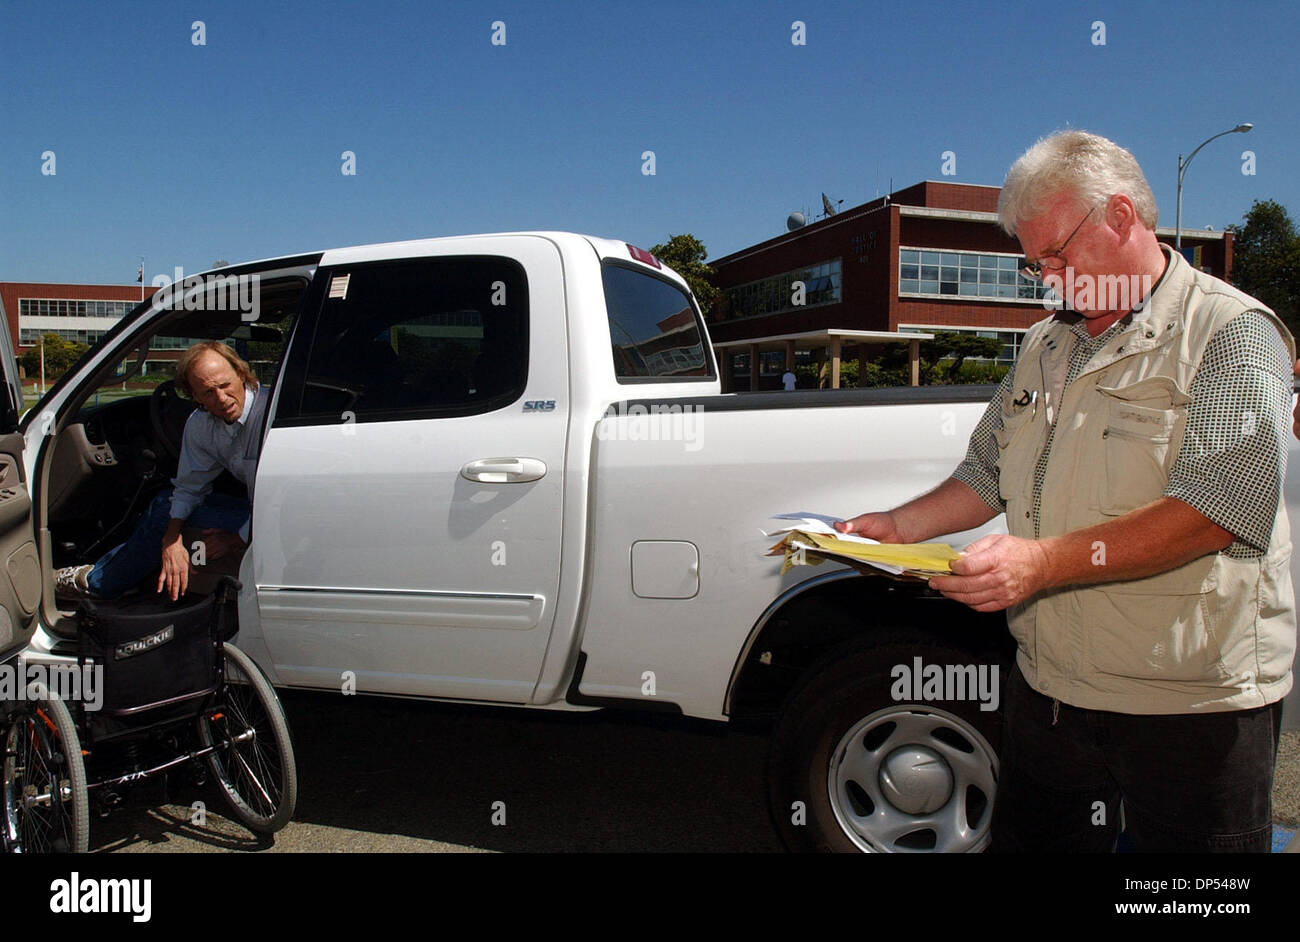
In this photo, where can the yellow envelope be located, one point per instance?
(915, 559)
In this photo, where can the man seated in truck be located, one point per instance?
(222, 434)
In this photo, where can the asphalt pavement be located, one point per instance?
(401, 775)
(382, 775)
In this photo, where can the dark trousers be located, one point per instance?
(1190, 783)
(141, 555)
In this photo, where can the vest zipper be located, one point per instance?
(1056, 710)
(1120, 433)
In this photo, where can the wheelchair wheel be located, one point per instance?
(253, 761)
(46, 805)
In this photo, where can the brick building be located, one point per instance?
(925, 258)
(80, 313)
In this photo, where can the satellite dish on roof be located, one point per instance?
(795, 221)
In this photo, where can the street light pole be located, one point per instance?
(1182, 169)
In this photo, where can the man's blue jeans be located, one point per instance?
(141, 555)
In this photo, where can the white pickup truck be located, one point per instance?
(499, 469)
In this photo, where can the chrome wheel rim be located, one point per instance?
(910, 779)
(35, 793)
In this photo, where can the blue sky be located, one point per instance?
(185, 154)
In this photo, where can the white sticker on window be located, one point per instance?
(339, 286)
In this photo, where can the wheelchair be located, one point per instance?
(162, 691)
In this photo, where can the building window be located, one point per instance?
(775, 295)
(965, 275)
(770, 362)
(176, 343)
(62, 307)
(30, 336)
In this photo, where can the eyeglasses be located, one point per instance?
(1053, 260)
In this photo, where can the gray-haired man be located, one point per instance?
(1138, 449)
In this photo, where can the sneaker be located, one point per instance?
(70, 583)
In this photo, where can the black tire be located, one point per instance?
(853, 769)
(253, 762)
(46, 803)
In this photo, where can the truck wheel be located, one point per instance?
(851, 768)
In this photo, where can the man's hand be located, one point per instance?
(996, 572)
(219, 543)
(175, 571)
(875, 526)
(951, 507)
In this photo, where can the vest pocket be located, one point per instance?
(1136, 443)
(1275, 640)
(1015, 458)
(1163, 627)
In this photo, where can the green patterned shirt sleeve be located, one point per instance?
(979, 469)
(1232, 462)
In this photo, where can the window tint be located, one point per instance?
(424, 337)
(652, 327)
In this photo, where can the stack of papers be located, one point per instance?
(811, 539)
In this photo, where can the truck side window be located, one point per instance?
(653, 329)
(417, 338)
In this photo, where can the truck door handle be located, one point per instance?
(504, 470)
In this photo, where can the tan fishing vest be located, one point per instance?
(1215, 634)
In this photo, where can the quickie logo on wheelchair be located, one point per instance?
(147, 643)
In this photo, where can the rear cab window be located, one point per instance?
(654, 328)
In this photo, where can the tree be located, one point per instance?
(959, 346)
(1266, 259)
(685, 255)
(59, 355)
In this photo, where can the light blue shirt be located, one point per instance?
(210, 446)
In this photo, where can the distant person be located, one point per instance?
(1295, 419)
(789, 380)
(220, 435)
